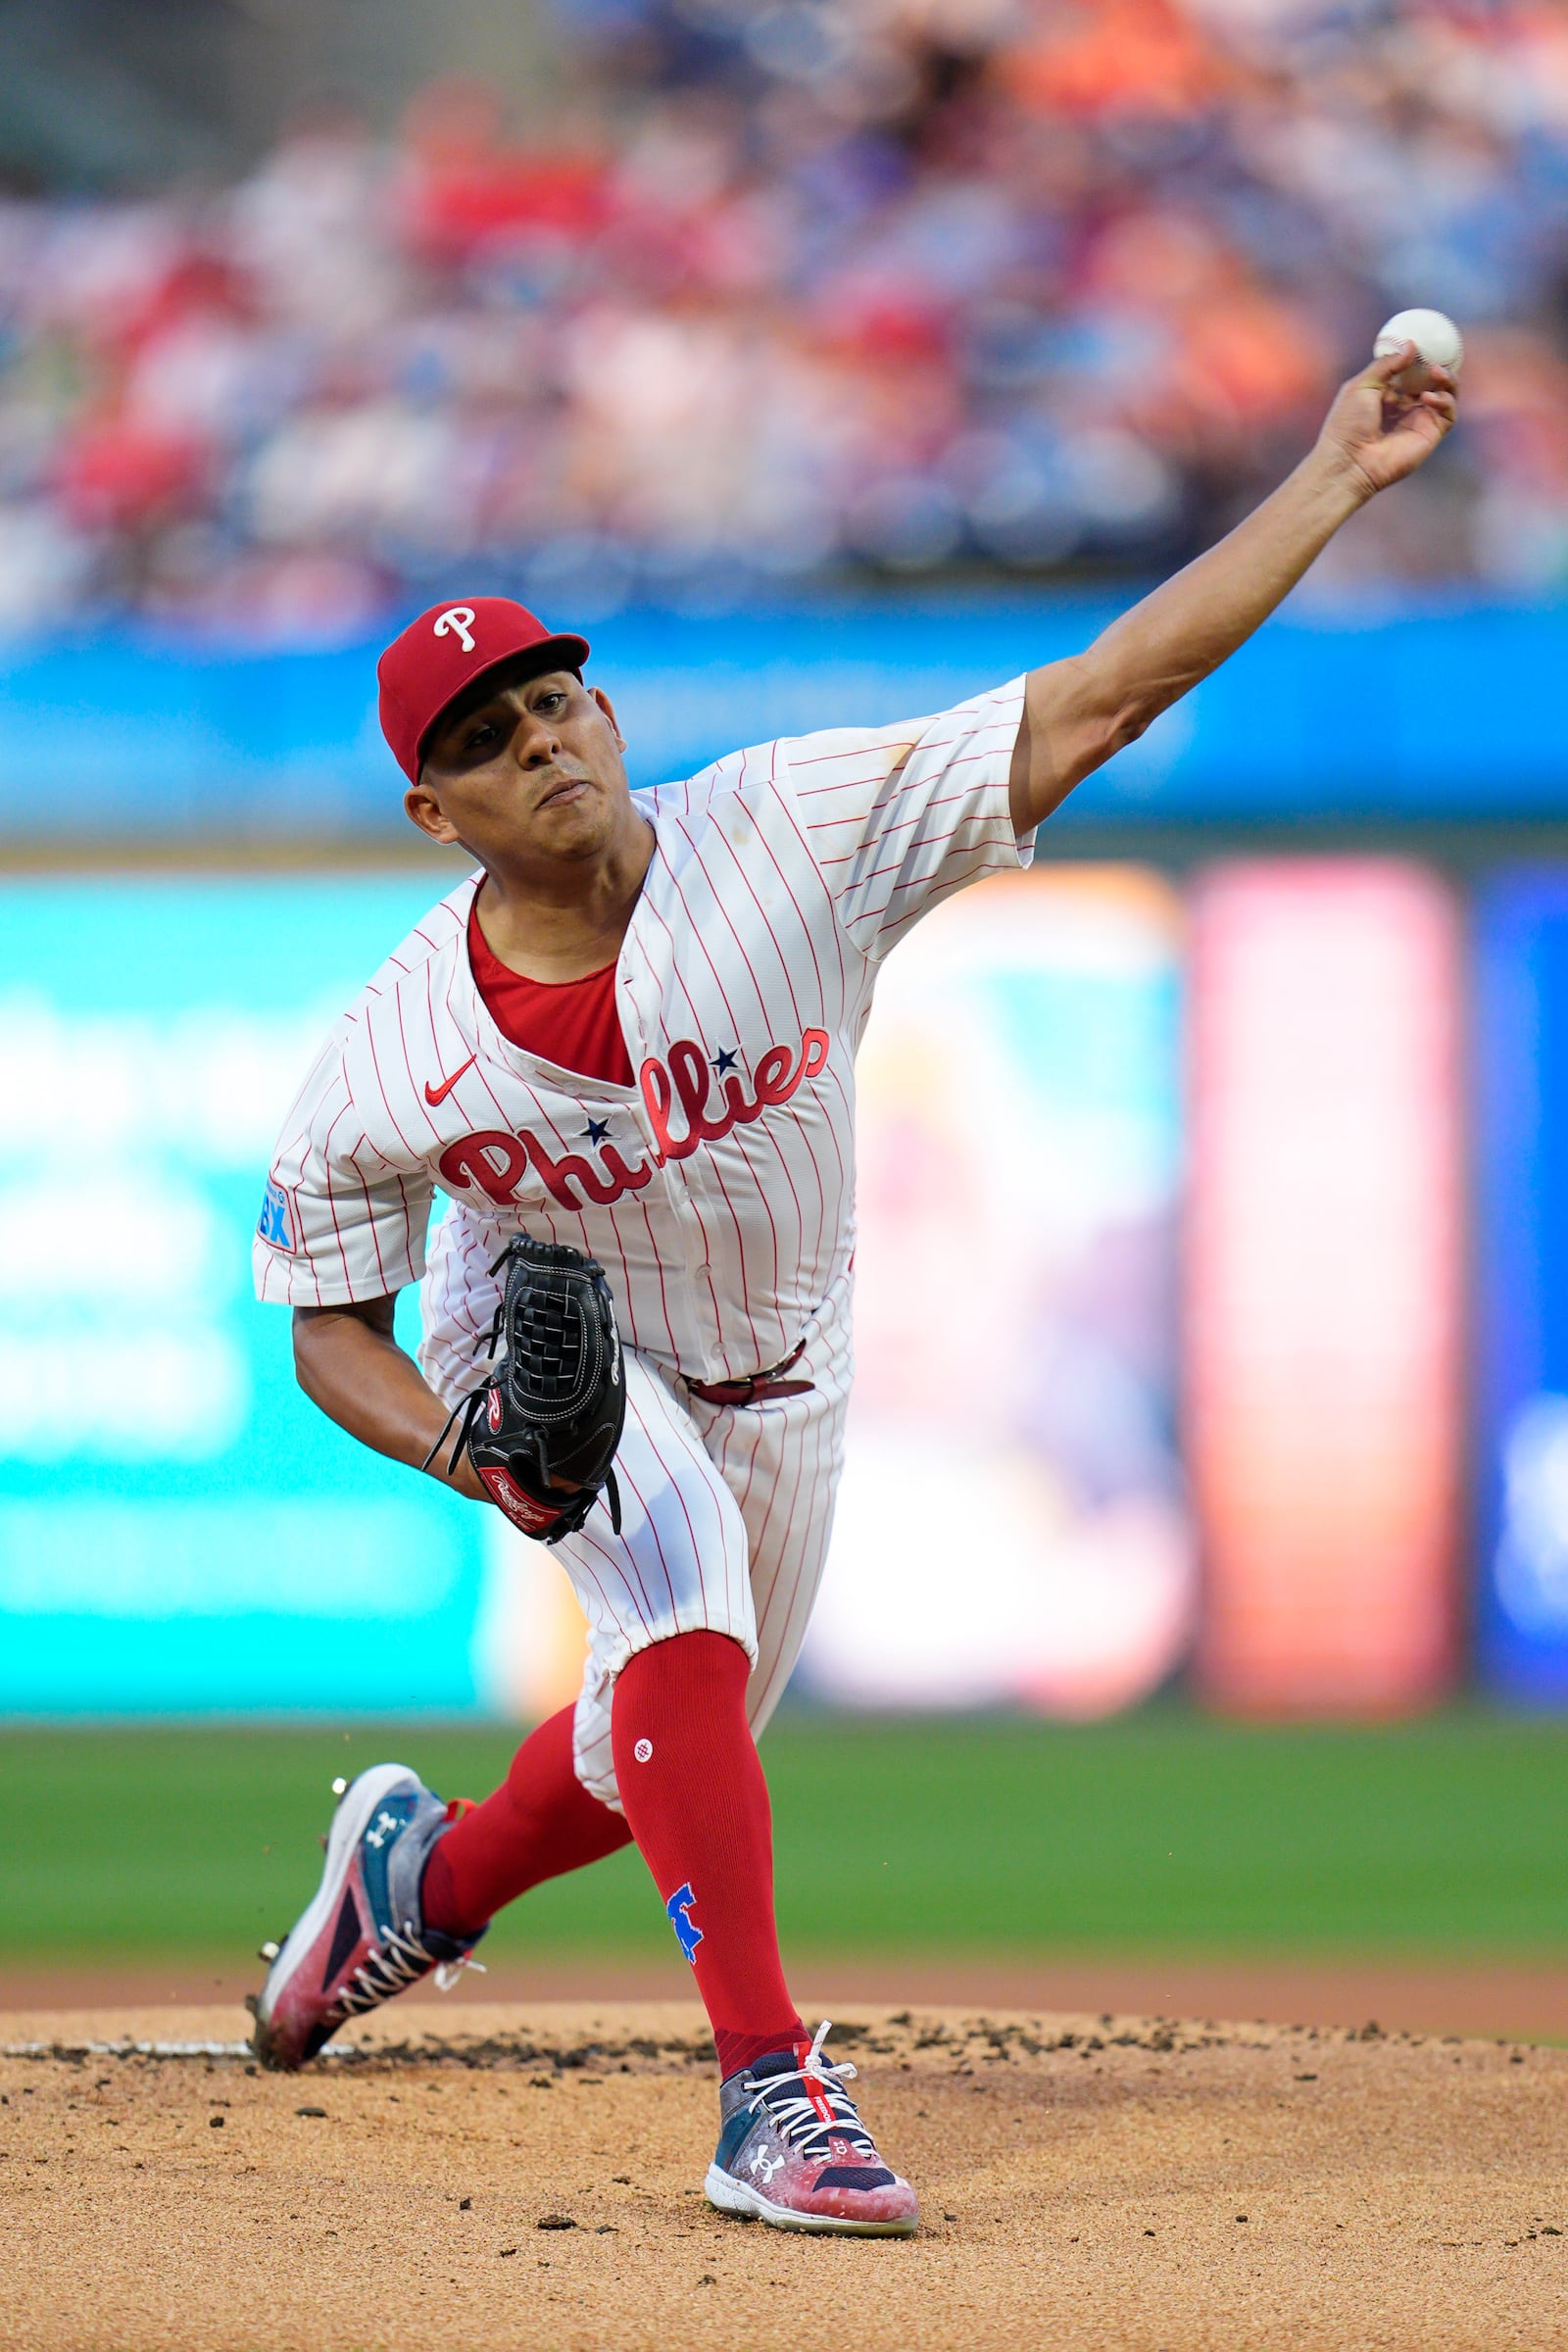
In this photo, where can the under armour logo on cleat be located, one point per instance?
(687, 1934)
(386, 1826)
(766, 2165)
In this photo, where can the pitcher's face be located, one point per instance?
(525, 774)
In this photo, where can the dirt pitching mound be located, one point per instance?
(530, 2178)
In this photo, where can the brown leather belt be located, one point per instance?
(758, 1388)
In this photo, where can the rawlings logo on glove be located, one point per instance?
(542, 1430)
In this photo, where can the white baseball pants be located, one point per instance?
(725, 1517)
(726, 1510)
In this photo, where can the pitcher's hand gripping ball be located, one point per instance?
(553, 1408)
(1437, 344)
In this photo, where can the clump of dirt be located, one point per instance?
(531, 2178)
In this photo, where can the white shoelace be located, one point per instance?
(799, 2117)
(449, 1971)
(401, 1960)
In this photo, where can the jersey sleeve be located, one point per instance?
(339, 1220)
(899, 817)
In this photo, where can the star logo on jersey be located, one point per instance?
(596, 1131)
(439, 1094)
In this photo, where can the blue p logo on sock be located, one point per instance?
(687, 1933)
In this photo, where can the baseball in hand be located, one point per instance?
(1438, 342)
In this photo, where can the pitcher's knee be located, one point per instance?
(715, 1654)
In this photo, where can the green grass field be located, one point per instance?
(1164, 1832)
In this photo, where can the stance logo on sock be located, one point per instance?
(687, 1934)
(643, 1750)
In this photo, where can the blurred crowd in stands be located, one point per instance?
(759, 294)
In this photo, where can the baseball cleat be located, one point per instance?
(364, 1936)
(793, 2152)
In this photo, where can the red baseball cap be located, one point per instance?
(440, 655)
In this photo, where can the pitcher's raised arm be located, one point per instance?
(1079, 711)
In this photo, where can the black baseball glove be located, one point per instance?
(556, 1404)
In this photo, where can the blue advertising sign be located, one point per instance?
(1521, 1060)
(1415, 713)
(179, 1530)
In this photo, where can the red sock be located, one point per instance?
(540, 1822)
(690, 1781)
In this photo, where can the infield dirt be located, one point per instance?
(532, 2178)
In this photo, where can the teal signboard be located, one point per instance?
(179, 1530)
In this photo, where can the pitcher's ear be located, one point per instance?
(422, 809)
(608, 709)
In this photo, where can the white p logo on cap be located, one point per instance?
(458, 623)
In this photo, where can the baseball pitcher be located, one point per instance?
(623, 1049)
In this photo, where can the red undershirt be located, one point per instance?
(574, 1023)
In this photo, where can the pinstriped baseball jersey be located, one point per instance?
(718, 1192)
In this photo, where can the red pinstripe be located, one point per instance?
(376, 1064)
(844, 1179)
(817, 1519)
(652, 1525)
(674, 1483)
(375, 1237)
(621, 1561)
(976, 873)
(794, 1011)
(900, 865)
(923, 841)
(586, 1542)
(663, 1295)
(332, 1189)
(696, 930)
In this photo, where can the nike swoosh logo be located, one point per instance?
(439, 1094)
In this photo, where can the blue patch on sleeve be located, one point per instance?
(275, 1224)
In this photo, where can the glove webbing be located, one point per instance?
(467, 1411)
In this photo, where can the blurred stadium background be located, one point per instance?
(1204, 1591)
